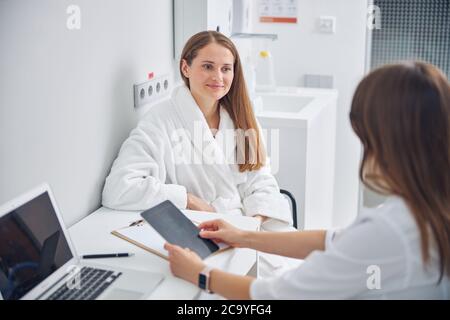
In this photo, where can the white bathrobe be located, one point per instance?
(162, 160)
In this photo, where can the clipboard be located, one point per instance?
(144, 236)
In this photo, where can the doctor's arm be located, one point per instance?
(340, 272)
(187, 264)
(294, 244)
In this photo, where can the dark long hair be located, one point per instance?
(401, 113)
(250, 148)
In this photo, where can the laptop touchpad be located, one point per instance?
(121, 294)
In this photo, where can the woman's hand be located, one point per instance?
(196, 203)
(261, 218)
(221, 231)
(184, 263)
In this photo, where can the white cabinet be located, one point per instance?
(300, 125)
(193, 16)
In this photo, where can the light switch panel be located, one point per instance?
(327, 24)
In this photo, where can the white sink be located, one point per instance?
(294, 103)
(281, 103)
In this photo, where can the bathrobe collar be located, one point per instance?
(189, 110)
(193, 120)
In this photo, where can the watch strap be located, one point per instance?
(204, 279)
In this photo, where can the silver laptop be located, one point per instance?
(38, 259)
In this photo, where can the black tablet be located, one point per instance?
(177, 229)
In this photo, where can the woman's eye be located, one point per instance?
(227, 69)
(207, 66)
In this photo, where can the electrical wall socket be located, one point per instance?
(327, 24)
(152, 91)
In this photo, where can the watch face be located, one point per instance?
(202, 281)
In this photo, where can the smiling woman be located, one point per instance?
(180, 151)
(210, 77)
(211, 68)
(210, 74)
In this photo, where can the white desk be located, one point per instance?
(93, 235)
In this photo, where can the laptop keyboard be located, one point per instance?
(93, 282)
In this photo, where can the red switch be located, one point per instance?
(150, 75)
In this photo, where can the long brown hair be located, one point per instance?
(250, 148)
(401, 113)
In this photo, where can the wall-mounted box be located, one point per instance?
(193, 16)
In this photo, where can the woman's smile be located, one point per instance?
(215, 87)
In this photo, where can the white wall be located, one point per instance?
(66, 98)
(300, 50)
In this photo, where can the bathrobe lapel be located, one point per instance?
(217, 153)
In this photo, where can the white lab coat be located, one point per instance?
(156, 163)
(377, 257)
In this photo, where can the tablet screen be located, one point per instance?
(177, 229)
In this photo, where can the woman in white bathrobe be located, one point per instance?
(190, 150)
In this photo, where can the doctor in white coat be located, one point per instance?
(202, 149)
(400, 250)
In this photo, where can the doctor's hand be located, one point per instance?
(196, 203)
(184, 263)
(221, 231)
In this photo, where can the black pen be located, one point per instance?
(107, 255)
(136, 223)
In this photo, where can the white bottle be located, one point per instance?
(265, 77)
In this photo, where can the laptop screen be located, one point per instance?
(32, 247)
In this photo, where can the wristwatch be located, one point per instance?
(204, 278)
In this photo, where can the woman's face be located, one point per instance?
(211, 72)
